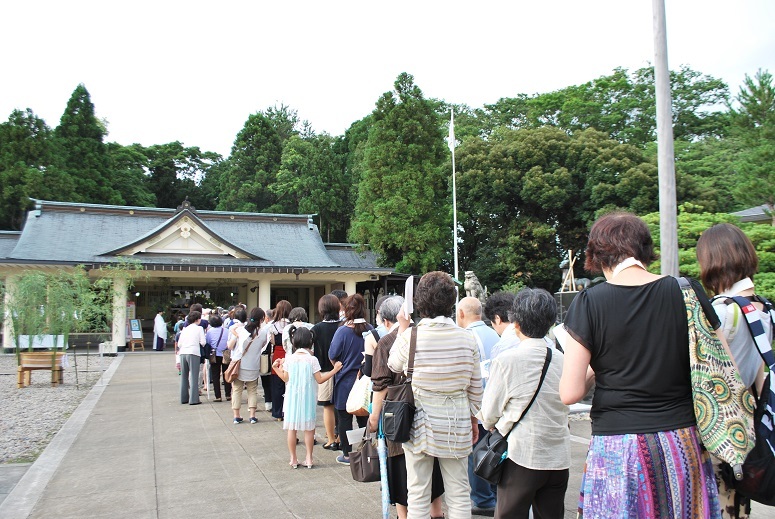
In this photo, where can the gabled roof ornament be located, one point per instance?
(186, 205)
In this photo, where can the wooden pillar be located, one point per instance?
(265, 293)
(7, 322)
(118, 337)
(313, 305)
(349, 287)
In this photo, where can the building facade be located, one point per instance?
(212, 257)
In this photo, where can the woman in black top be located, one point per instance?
(323, 333)
(629, 336)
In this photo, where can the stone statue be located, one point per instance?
(473, 287)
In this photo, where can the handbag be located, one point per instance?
(213, 351)
(359, 399)
(490, 453)
(723, 406)
(364, 462)
(265, 363)
(226, 356)
(398, 407)
(232, 373)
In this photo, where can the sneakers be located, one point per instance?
(268, 406)
(343, 460)
(238, 420)
(253, 420)
(218, 400)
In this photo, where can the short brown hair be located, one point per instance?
(616, 237)
(726, 256)
(328, 307)
(435, 295)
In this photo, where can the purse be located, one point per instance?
(226, 356)
(359, 399)
(364, 462)
(232, 373)
(213, 356)
(398, 407)
(723, 406)
(490, 453)
(265, 364)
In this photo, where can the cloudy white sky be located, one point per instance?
(193, 71)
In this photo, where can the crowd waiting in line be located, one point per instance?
(626, 337)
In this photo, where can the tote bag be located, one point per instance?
(359, 399)
(723, 406)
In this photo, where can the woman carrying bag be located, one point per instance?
(536, 471)
(245, 341)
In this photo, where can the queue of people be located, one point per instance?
(626, 338)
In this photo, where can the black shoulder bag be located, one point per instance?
(490, 453)
(398, 406)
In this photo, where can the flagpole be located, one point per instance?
(454, 187)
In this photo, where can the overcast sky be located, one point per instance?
(194, 71)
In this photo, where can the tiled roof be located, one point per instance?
(8, 240)
(754, 214)
(91, 233)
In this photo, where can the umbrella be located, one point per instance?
(383, 455)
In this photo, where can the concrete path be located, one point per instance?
(131, 450)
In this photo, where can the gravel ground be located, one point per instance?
(32, 415)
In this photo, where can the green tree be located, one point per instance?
(128, 174)
(176, 172)
(312, 180)
(253, 165)
(402, 210)
(526, 197)
(754, 125)
(28, 167)
(622, 105)
(84, 157)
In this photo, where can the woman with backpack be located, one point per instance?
(728, 263)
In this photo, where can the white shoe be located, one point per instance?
(268, 406)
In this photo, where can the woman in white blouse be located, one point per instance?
(537, 468)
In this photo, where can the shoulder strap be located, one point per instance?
(375, 334)
(412, 348)
(757, 329)
(535, 395)
(684, 283)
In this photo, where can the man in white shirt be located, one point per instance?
(159, 330)
(469, 316)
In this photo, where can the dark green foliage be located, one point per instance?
(253, 165)
(312, 180)
(176, 172)
(403, 208)
(527, 196)
(79, 138)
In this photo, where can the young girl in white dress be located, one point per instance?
(301, 374)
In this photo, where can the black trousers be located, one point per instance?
(346, 424)
(217, 370)
(278, 395)
(266, 384)
(520, 487)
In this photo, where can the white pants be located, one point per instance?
(419, 470)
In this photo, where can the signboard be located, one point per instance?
(137, 331)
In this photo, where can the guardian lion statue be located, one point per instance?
(473, 287)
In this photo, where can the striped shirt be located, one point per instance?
(447, 386)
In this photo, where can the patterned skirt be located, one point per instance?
(649, 476)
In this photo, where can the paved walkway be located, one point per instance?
(131, 450)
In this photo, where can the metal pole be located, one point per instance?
(668, 226)
(454, 190)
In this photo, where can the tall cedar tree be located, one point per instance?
(84, 156)
(403, 203)
(253, 165)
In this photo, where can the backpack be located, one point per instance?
(758, 481)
